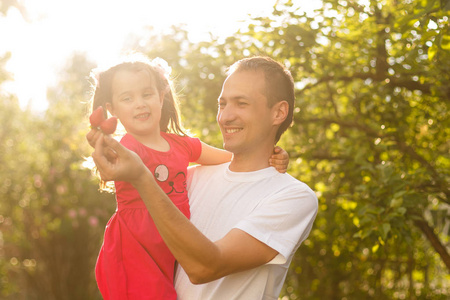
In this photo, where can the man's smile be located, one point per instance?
(232, 130)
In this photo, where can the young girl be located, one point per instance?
(134, 262)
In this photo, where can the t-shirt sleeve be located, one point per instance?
(190, 174)
(283, 221)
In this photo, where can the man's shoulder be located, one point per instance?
(289, 180)
(202, 169)
(287, 184)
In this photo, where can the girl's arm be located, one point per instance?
(213, 156)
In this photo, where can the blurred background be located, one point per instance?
(371, 133)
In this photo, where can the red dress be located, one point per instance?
(134, 262)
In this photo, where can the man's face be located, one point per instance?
(243, 115)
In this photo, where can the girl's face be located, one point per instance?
(137, 103)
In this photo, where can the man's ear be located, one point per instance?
(280, 112)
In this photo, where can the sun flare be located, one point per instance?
(47, 32)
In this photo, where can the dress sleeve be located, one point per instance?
(194, 147)
(129, 142)
(283, 221)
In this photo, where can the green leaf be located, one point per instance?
(375, 248)
(432, 52)
(384, 230)
(401, 211)
(445, 42)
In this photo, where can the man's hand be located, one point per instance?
(125, 166)
(279, 159)
(92, 137)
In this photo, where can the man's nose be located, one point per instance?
(226, 114)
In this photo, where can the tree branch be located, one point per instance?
(425, 88)
(434, 241)
(407, 149)
(347, 124)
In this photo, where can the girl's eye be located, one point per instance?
(242, 103)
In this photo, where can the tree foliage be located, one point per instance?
(51, 213)
(370, 136)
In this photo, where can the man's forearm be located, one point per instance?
(190, 247)
(194, 252)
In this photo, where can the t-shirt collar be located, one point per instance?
(249, 176)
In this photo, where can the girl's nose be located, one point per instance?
(140, 102)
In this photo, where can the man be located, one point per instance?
(247, 219)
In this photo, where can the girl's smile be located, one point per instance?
(143, 117)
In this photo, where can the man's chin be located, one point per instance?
(228, 147)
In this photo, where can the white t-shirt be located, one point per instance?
(275, 208)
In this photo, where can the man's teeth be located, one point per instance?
(233, 130)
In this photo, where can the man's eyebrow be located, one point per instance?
(238, 97)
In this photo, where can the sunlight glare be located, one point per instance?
(47, 32)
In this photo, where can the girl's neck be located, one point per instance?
(154, 141)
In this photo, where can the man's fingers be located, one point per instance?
(92, 136)
(115, 145)
(115, 162)
(98, 145)
(99, 155)
(110, 154)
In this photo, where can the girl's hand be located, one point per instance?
(279, 159)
